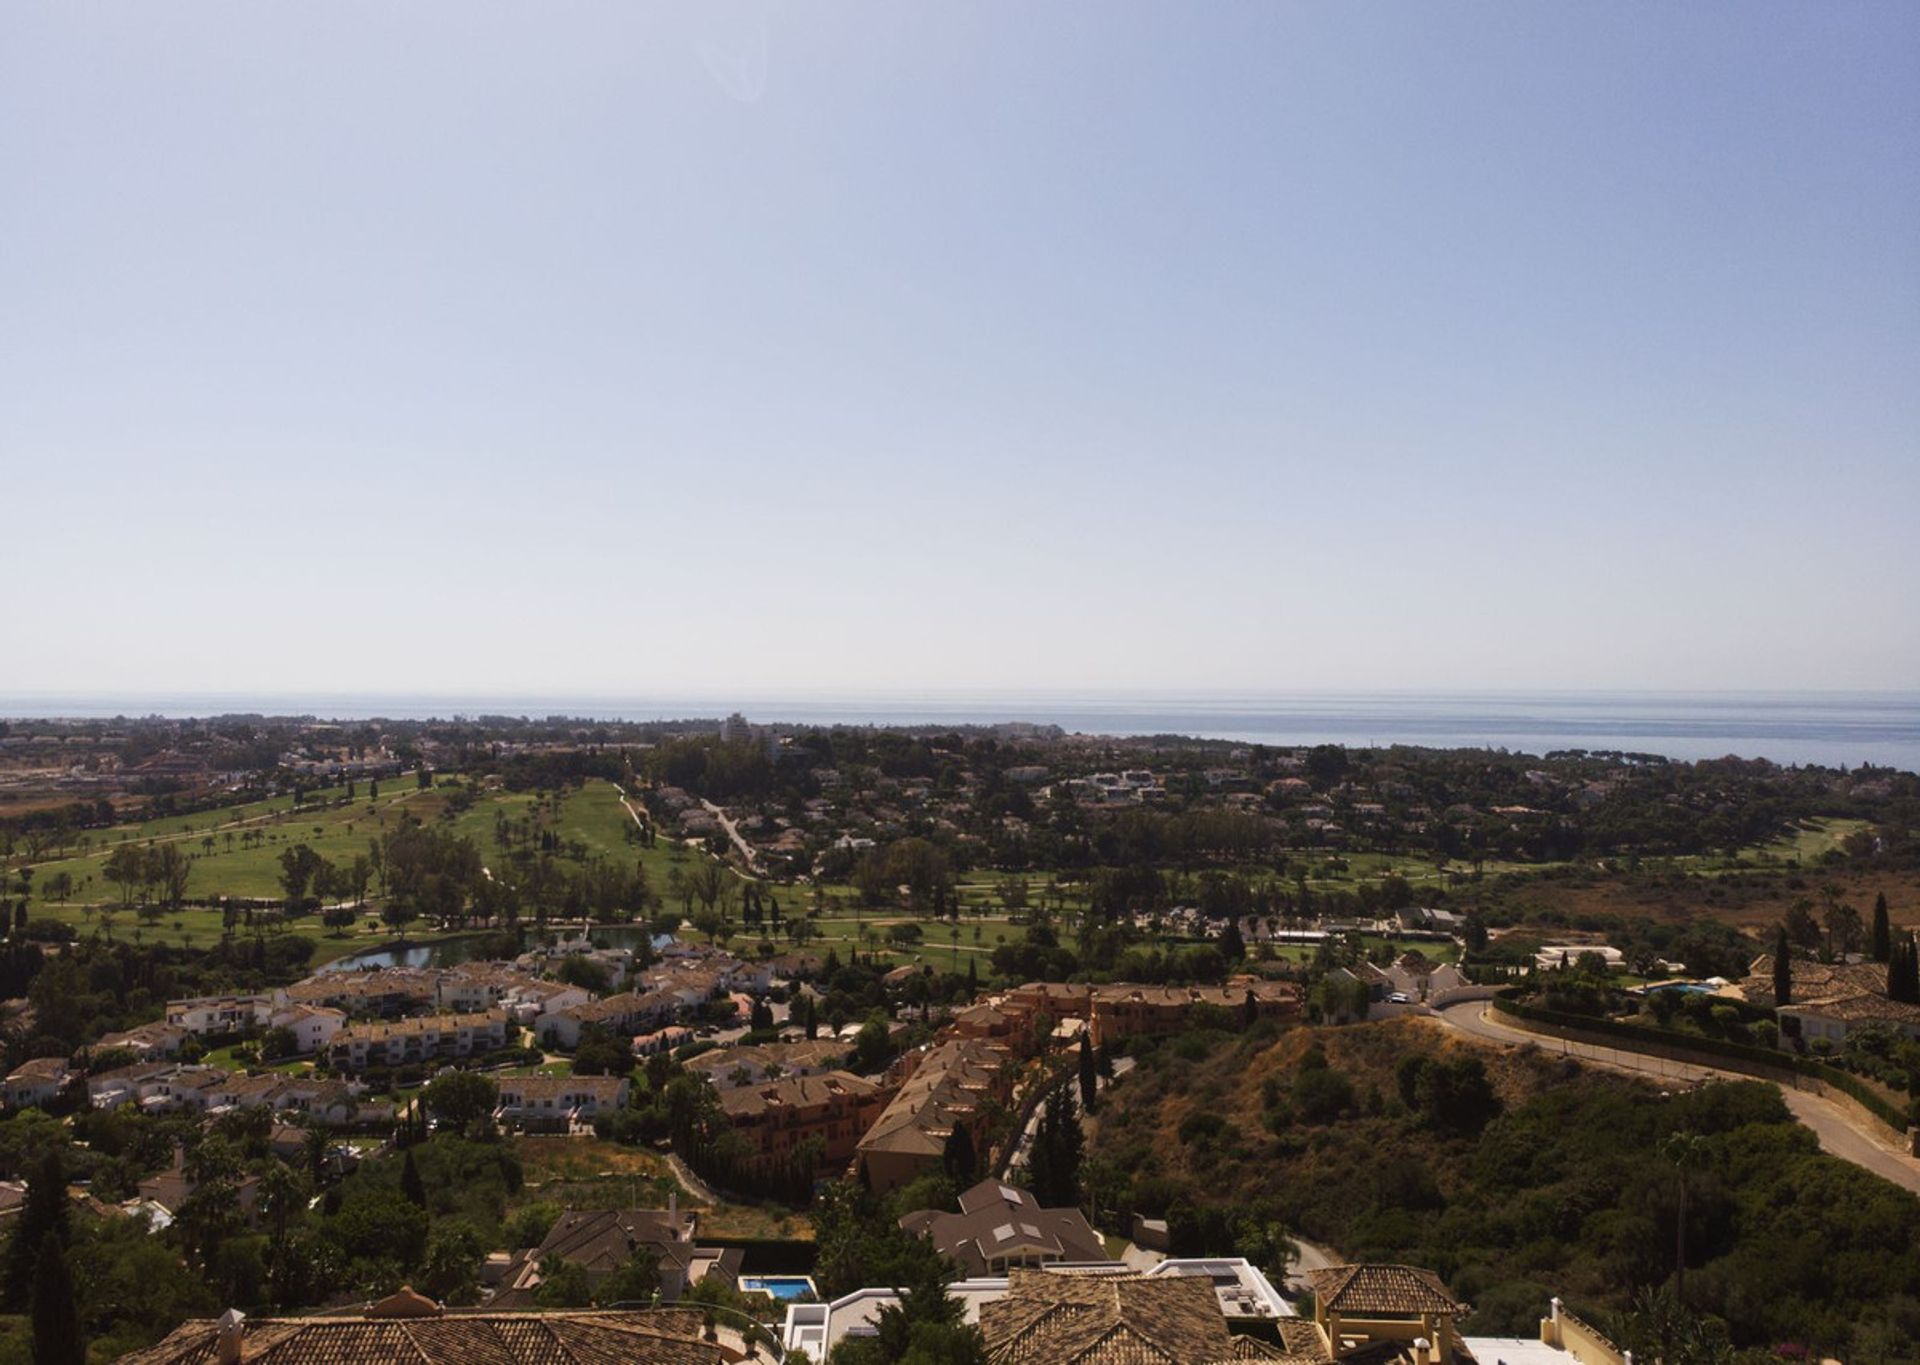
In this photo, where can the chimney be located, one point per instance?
(233, 1332)
(673, 1212)
(1422, 1352)
(1550, 1326)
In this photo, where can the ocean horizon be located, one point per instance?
(1832, 729)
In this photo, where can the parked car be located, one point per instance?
(1399, 998)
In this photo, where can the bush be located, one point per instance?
(1321, 1095)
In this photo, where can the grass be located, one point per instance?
(587, 1173)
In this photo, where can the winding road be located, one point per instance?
(1840, 1134)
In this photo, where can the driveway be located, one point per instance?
(1839, 1133)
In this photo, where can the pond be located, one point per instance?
(451, 952)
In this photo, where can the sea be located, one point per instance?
(1830, 729)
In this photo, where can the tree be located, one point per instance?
(56, 1317)
(1686, 1152)
(926, 1327)
(43, 1216)
(1058, 1146)
(1782, 968)
(1233, 946)
(637, 1280)
(411, 1185)
(957, 1158)
(1903, 971)
(452, 1271)
(563, 1284)
(872, 1048)
(602, 1054)
(1882, 930)
(459, 1097)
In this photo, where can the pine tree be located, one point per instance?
(411, 1185)
(44, 1215)
(1882, 930)
(56, 1318)
(1782, 969)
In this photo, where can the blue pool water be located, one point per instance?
(782, 1287)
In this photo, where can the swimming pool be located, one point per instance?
(781, 1287)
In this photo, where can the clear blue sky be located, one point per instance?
(590, 348)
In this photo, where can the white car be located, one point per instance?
(1399, 998)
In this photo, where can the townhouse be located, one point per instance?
(213, 1015)
(313, 1026)
(545, 1104)
(620, 1015)
(36, 1082)
(148, 1042)
(427, 1038)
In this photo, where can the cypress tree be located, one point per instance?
(44, 1215)
(56, 1317)
(958, 1157)
(1089, 1074)
(411, 1185)
(1058, 1146)
(1903, 971)
(1882, 930)
(1782, 969)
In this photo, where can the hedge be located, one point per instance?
(1877, 1104)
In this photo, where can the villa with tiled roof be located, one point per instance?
(1829, 998)
(409, 1327)
(1048, 1319)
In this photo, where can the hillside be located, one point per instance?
(1515, 1176)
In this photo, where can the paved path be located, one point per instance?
(1839, 1132)
(747, 854)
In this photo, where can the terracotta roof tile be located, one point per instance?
(1395, 1289)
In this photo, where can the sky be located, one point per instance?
(612, 348)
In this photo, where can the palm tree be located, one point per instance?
(1687, 1152)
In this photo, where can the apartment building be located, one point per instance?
(949, 1086)
(778, 1116)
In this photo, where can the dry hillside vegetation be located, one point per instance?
(1516, 1176)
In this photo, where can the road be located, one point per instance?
(1840, 1134)
(1018, 1156)
(1309, 1257)
(733, 832)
